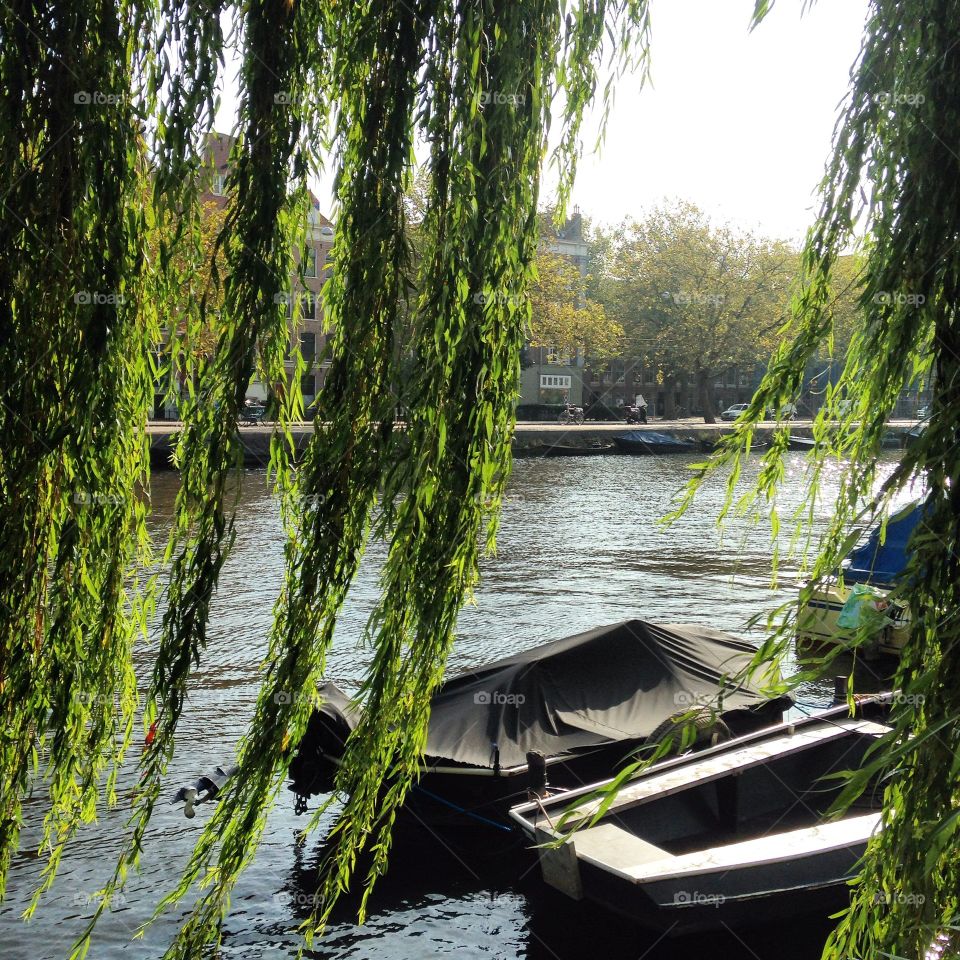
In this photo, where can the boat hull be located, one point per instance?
(817, 625)
(467, 797)
(738, 900)
(642, 448)
(573, 450)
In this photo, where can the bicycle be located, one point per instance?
(571, 414)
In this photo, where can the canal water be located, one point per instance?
(579, 546)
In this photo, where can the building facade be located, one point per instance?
(306, 325)
(548, 376)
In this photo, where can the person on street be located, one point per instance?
(641, 406)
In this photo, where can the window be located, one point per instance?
(219, 185)
(308, 345)
(554, 382)
(308, 385)
(310, 262)
(308, 307)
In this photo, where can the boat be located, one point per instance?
(734, 836)
(575, 449)
(570, 710)
(805, 444)
(834, 609)
(651, 442)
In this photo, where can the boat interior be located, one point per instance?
(777, 786)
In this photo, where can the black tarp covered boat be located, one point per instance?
(651, 442)
(584, 702)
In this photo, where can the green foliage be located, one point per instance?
(899, 132)
(562, 314)
(476, 80)
(74, 381)
(85, 290)
(697, 299)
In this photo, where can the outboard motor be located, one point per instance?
(206, 788)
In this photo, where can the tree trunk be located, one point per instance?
(669, 398)
(705, 396)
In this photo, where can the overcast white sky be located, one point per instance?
(737, 122)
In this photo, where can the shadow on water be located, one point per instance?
(471, 879)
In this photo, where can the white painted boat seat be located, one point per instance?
(612, 845)
(655, 784)
(850, 832)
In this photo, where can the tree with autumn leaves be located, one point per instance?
(564, 316)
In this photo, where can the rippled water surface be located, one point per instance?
(579, 546)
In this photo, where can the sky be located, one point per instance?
(739, 123)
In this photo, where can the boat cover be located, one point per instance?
(881, 563)
(610, 684)
(655, 439)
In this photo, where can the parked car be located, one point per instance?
(731, 413)
(924, 412)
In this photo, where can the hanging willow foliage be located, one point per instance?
(103, 109)
(75, 379)
(899, 134)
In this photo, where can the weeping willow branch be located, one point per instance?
(482, 95)
(74, 387)
(899, 134)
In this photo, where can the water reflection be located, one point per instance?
(579, 546)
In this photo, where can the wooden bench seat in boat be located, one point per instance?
(620, 851)
(612, 845)
(656, 784)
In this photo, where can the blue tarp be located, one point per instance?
(654, 439)
(881, 563)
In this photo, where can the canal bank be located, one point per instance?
(529, 440)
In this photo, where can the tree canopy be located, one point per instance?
(102, 103)
(562, 314)
(697, 299)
